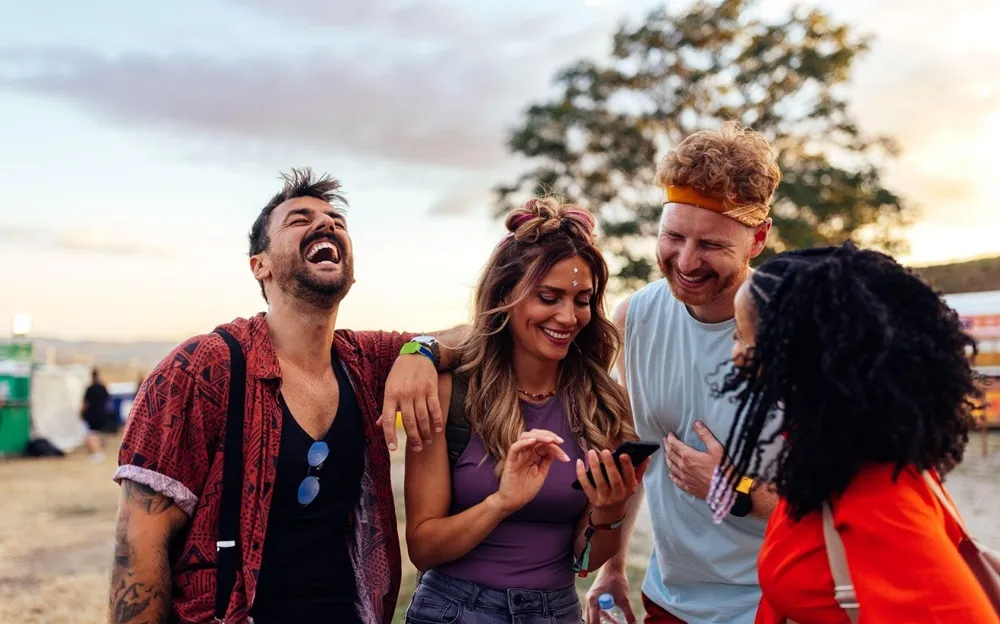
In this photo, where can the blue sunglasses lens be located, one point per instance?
(318, 453)
(308, 490)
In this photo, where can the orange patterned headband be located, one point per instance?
(750, 215)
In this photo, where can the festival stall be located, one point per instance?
(980, 315)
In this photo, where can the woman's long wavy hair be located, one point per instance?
(541, 234)
(860, 362)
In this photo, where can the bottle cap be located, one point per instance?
(606, 602)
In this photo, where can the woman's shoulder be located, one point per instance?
(881, 491)
(878, 480)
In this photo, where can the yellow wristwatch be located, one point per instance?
(744, 504)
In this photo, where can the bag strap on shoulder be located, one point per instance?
(983, 561)
(946, 503)
(227, 549)
(456, 431)
(843, 586)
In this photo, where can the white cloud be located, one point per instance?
(86, 241)
(431, 85)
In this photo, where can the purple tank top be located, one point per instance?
(533, 548)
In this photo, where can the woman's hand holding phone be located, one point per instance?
(609, 489)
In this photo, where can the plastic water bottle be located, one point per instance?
(610, 614)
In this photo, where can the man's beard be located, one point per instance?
(306, 287)
(717, 287)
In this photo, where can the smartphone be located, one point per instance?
(637, 451)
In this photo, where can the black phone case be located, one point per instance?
(638, 451)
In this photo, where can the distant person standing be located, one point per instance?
(95, 415)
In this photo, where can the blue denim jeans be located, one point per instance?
(442, 599)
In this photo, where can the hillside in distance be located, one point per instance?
(982, 275)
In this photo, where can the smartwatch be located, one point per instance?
(425, 345)
(743, 504)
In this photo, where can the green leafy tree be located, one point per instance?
(598, 142)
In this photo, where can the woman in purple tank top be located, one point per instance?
(498, 530)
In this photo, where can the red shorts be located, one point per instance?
(655, 614)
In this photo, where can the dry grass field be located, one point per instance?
(57, 517)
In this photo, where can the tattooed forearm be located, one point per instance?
(140, 584)
(123, 551)
(145, 497)
(136, 603)
(140, 578)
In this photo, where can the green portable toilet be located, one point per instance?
(15, 391)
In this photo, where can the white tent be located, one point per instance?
(56, 398)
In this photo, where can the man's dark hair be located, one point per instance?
(863, 363)
(299, 182)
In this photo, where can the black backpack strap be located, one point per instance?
(226, 547)
(456, 431)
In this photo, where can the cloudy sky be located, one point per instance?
(139, 140)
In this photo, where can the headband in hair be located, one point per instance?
(750, 215)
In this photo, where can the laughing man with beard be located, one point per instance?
(678, 340)
(313, 535)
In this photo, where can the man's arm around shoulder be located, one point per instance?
(411, 389)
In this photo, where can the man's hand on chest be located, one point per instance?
(690, 469)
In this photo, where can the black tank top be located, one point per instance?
(306, 574)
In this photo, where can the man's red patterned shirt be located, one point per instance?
(173, 443)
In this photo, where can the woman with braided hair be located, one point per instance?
(495, 525)
(866, 372)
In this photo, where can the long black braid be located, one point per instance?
(861, 361)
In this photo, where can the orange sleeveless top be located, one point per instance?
(902, 551)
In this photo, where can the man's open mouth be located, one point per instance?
(692, 281)
(687, 279)
(323, 251)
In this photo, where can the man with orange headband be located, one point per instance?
(678, 343)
